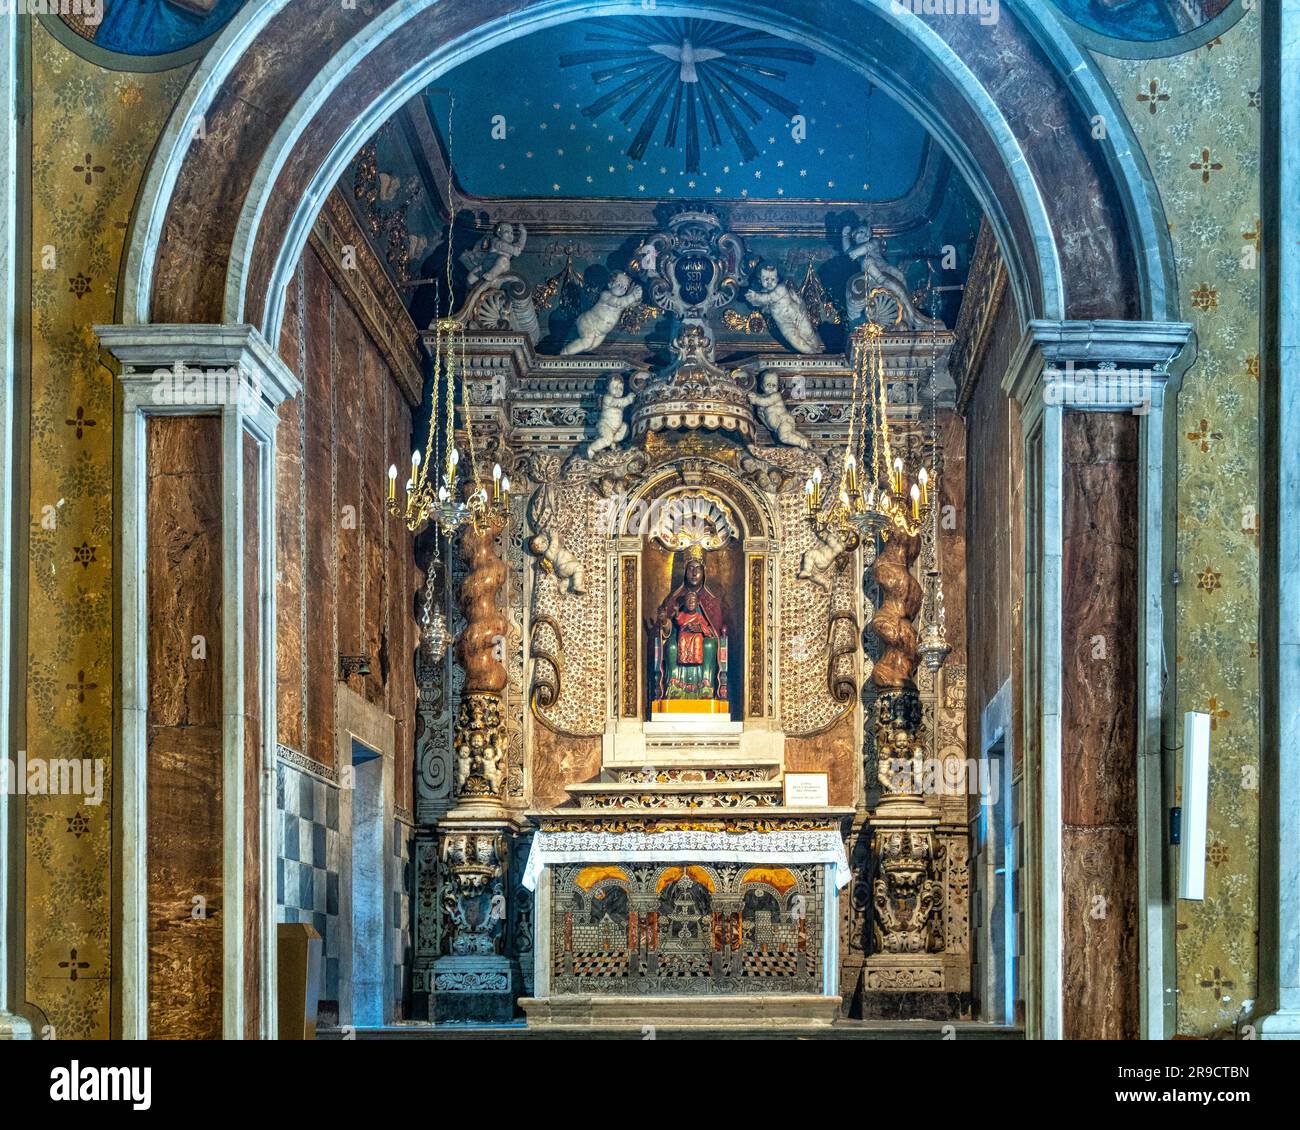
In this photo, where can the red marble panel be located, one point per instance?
(375, 381)
(253, 722)
(1099, 725)
(557, 760)
(833, 753)
(1100, 959)
(321, 648)
(183, 853)
(289, 547)
(348, 440)
(988, 518)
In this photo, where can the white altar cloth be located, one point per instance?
(793, 846)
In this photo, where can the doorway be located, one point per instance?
(368, 894)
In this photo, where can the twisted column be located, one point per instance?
(480, 650)
(474, 978)
(893, 621)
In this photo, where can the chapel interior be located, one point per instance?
(699, 516)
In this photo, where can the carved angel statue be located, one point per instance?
(492, 258)
(868, 253)
(817, 562)
(546, 541)
(594, 325)
(611, 428)
(773, 412)
(781, 302)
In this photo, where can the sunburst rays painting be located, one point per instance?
(687, 75)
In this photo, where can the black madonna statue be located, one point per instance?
(689, 647)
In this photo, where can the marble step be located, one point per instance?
(669, 788)
(719, 773)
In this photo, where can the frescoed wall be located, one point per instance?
(92, 134)
(1198, 118)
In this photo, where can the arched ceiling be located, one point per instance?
(603, 118)
(1143, 21)
(640, 107)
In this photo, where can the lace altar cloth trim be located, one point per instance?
(691, 847)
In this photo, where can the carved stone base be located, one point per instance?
(474, 990)
(14, 1027)
(909, 987)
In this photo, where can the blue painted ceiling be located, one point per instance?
(657, 111)
(1146, 21)
(654, 108)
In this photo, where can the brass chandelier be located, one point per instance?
(874, 496)
(432, 492)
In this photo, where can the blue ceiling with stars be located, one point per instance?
(653, 107)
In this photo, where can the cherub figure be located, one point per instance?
(818, 561)
(868, 253)
(492, 259)
(594, 325)
(611, 428)
(567, 569)
(546, 540)
(784, 306)
(773, 412)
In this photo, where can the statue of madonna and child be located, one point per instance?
(688, 643)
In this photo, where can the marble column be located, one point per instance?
(1097, 402)
(1279, 934)
(474, 979)
(196, 499)
(12, 1025)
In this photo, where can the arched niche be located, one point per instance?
(635, 734)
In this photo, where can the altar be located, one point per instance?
(719, 907)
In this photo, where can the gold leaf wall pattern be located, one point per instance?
(92, 135)
(1197, 118)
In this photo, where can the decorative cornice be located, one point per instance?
(369, 290)
(197, 370)
(1058, 362)
(131, 350)
(304, 764)
(986, 290)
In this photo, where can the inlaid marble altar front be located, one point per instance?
(682, 911)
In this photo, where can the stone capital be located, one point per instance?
(1098, 365)
(191, 369)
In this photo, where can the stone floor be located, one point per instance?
(840, 1030)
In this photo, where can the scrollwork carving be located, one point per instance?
(548, 678)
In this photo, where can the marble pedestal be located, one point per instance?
(474, 989)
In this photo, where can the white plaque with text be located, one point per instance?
(806, 790)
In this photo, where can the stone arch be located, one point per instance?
(1016, 106)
